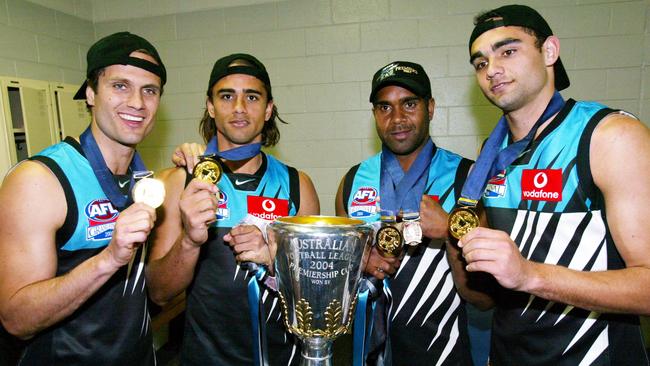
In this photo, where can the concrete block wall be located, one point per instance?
(38, 42)
(321, 55)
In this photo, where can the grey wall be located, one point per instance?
(321, 55)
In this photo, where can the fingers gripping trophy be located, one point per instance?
(318, 267)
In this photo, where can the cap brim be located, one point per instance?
(81, 93)
(561, 78)
(411, 85)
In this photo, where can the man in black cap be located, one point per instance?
(570, 277)
(71, 239)
(206, 243)
(411, 184)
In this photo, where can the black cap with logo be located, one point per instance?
(251, 66)
(521, 16)
(116, 50)
(406, 74)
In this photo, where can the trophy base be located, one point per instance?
(316, 352)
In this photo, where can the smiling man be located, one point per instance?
(410, 177)
(203, 241)
(568, 206)
(68, 228)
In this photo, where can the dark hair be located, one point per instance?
(490, 14)
(93, 76)
(270, 131)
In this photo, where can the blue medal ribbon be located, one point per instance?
(403, 191)
(254, 294)
(236, 154)
(493, 159)
(256, 309)
(362, 336)
(103, 174)
(400, 191)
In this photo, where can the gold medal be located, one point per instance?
(149, 191)
(389, 241)
(461, 221)
(208, 170)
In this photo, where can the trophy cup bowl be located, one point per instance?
(318, 268)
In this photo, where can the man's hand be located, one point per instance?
(432, 218)
(381, 267)
(198, 206)
(494, 252)
(249, 245)
(131, 230)
(187, 155)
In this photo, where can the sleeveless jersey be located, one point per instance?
(549, 204)
(218, 324)
(428, 324)
(113, 326)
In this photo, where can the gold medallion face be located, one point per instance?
(149, 191)
(461, 221)
(389, 241)
(208, 170)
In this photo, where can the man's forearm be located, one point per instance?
(171, 274)
(42, 304)
(613, 291)
(475, 288)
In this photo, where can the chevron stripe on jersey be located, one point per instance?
(218, 325)
(113, 325)
(428, 325)
(571, 232)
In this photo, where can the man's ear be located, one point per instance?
(209, 106)
(431, 105)
(90, 96)
(269, 110)
(551, 50)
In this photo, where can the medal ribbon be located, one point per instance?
(254, 299)
(363, 331)
(401, 190)
(256, 309)
(103, 174)
(493, 159)
(236, 154)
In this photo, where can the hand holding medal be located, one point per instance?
(208, 169)
(149, 191)
(461, 221)
(389, 238)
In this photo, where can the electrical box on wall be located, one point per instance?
(36, 114)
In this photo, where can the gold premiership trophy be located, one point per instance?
(318, 267)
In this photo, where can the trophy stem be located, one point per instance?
(316, 352)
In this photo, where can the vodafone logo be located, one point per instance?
(268, 205)
(541, 180)
(267, 208)
(541, 185)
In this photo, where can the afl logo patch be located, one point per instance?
(101, 216)
(496, 186)
(101, 211)
(365, 196)
(364, 202)
(222, 206)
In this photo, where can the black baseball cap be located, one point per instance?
(406, 74)
(116, 50)
(223, 68)
(521, 16)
